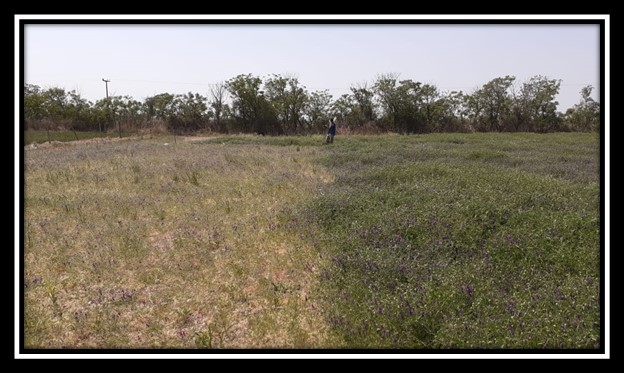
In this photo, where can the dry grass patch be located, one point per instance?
(137, 244)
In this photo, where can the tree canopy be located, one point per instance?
(280, 104)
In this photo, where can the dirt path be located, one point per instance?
(103, 140)
(198, 138)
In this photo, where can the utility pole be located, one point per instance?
(118, 123)
(106, 82)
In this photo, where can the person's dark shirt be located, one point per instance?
(332, 129)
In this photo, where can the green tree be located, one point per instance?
(490, 106)
(188, 112)
(451, 112)
(250, 107)
(58, 107)
(535, 107)
(317, 109)
(344, 109)
(34, 103)
(288, 98)
(77, 111)
(411, 118)
(431, 106)
(102, 114)
(125, 111)
(160, 106)
(407, 106)
(55, 104)
(365, 106)
(584, 116)
(391, 102)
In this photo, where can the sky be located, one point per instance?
(144, 60)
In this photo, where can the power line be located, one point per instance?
(316, 88)
(163, 81)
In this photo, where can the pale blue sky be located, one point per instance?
(143, 60)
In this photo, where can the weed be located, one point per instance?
(192, 178)
(204, 339)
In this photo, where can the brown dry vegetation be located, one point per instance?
(138, 244)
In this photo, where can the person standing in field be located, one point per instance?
(331, 131)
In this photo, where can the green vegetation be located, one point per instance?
(462, 241)
(281, 105)
(428, 241)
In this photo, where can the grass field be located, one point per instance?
(41, 137)
(433, 241)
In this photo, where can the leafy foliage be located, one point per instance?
(280, 104)
(584, 116)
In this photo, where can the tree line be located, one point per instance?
(278, 105)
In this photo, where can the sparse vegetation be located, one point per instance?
(137, 244)
(428, 241)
